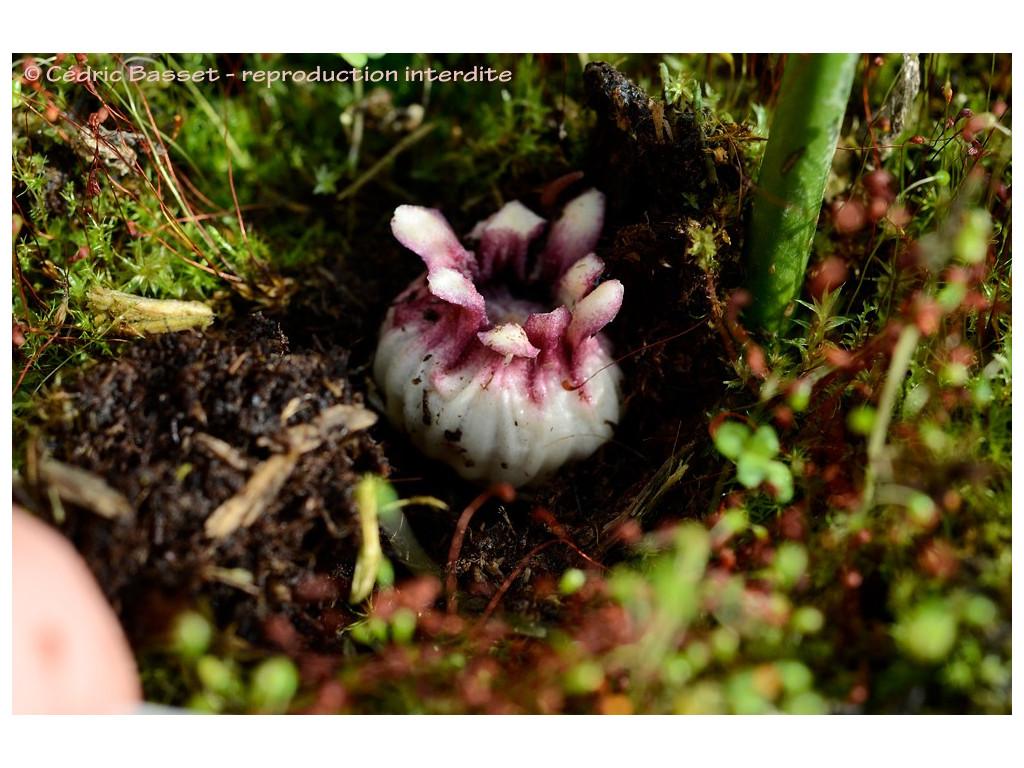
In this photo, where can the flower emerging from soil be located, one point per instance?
(492, 361)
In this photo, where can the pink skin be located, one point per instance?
(70, 655)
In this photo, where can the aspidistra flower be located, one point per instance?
(493, 361)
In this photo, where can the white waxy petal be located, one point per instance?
(427, 233)
(513, 216)
(574, 235)
(505, 238)
(594, 311)
(509, 340)
(579, 280)
(455, 287)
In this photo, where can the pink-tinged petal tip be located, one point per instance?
(456, 288)
(594, 311)
(574, 235)
(579, 280)
(547, 330)
(427, 233)
(509, 340)
(505, 239)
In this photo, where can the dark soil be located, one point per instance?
(178, 425)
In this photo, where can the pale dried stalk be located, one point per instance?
(138, 315)
(84, 489)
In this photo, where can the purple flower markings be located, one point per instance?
(492, 361)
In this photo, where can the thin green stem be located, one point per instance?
(898, 367)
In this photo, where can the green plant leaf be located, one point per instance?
(804, 133)
(730, 439)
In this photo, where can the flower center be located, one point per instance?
(503, 307)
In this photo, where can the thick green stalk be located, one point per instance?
(791, 184)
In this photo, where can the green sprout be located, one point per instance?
(754, 452)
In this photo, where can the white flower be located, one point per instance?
(492, 361)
